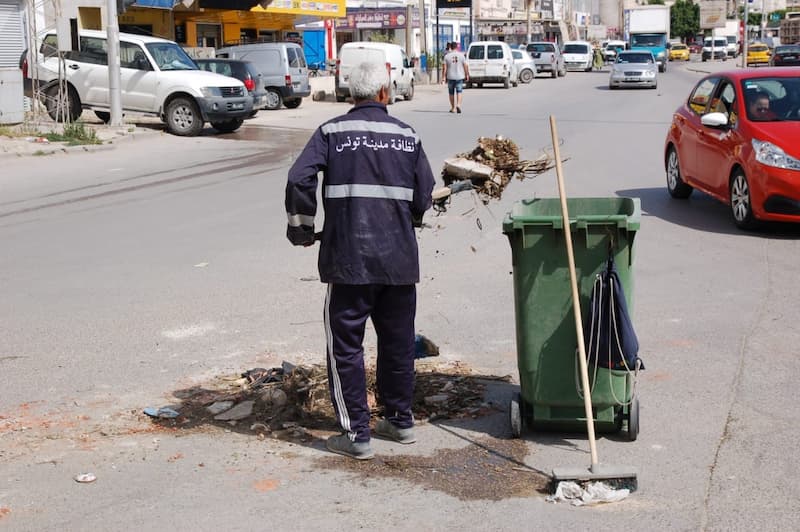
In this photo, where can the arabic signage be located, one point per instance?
(381, 19)
(445, 4)
(302, 7)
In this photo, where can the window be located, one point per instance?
(132, 56)
(701, 95)
(494, 52)
(477, 52)
(49, 46)
(93, 50)
(725, 101)
(576, 49)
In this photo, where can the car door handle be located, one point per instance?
(73, 66)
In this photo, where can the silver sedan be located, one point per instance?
(634, 68)
(526, 68)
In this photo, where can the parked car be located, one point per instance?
(526, 68)
(578, 55)
(634, 68)
(244, 71)
(695, 48)
(548, 57)
(491, 62)
(678, 52)
(611, 49)
(391, 55)
(786, 55)
(283, 69)
(156, 77)
(715, 48)
(746, 156)
(758, 54)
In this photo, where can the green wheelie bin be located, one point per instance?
(550, 396)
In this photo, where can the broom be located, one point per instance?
(616, 476)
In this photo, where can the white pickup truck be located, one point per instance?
(156, 77)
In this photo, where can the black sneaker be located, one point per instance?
(387, 430)
(458, 110)
(341, 444)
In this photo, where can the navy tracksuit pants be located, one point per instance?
(392, 310)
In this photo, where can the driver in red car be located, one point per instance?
(758, 109)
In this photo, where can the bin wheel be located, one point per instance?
(515, 416)
(619, 418)
(633, 419)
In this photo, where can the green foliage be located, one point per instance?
(75, 134)
(684, 19)
(655, 2)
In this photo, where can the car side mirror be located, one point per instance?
(715, 120)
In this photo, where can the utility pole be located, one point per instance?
(745, 36)
(114, 91)
(528, 19)
(423, 34)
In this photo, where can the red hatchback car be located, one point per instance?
(737, 138)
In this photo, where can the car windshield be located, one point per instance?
(791, 49)
(757, 48)
(576, 49)
(679, 47)
(648, 40)
(635, 58)
(170, 56)
(772, 99)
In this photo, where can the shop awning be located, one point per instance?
(156, 4)
(236, 5)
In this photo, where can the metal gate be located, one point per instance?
(11, 36)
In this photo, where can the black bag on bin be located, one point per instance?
(610, 339)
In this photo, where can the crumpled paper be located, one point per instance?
(593, 493)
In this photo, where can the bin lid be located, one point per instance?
(624, 213)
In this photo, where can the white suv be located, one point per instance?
(156, 76)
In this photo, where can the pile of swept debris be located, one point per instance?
(294, 398)
(489, 168)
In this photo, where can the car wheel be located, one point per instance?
(554, 73)
(183, 118)
(675, 185)
(410, 94)
(392, 95)
(274, 100)
(611, 87)
(526, 76)
(515, 83)
(56, 108)
(228, 126)
(741, 204)
(340, 98)
(562, 72)
(104, 116)
(293, 103)
(506, 83)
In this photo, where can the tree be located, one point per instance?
(684, 19)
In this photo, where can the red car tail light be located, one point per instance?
(249, 84)
(338, 61)
(288, 80)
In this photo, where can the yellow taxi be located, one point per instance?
(678, 52)
(758, 54)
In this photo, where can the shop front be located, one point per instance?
(383, 25)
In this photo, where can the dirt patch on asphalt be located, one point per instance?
(486, 469)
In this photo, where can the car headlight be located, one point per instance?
(210, 92)
(771, 155)
(661, 54)
(649, 74)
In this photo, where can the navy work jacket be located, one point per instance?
(376, 177)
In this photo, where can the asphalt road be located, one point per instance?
(131, 274)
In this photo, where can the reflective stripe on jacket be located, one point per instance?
(376, 177)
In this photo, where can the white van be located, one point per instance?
(283, 70)
(391, 55)
(578, 55)
(491, 62)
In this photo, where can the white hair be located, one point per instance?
(367, 79)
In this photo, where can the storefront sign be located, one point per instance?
(445, 4)
(382, 19)
(546, 7)
(302, 7)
